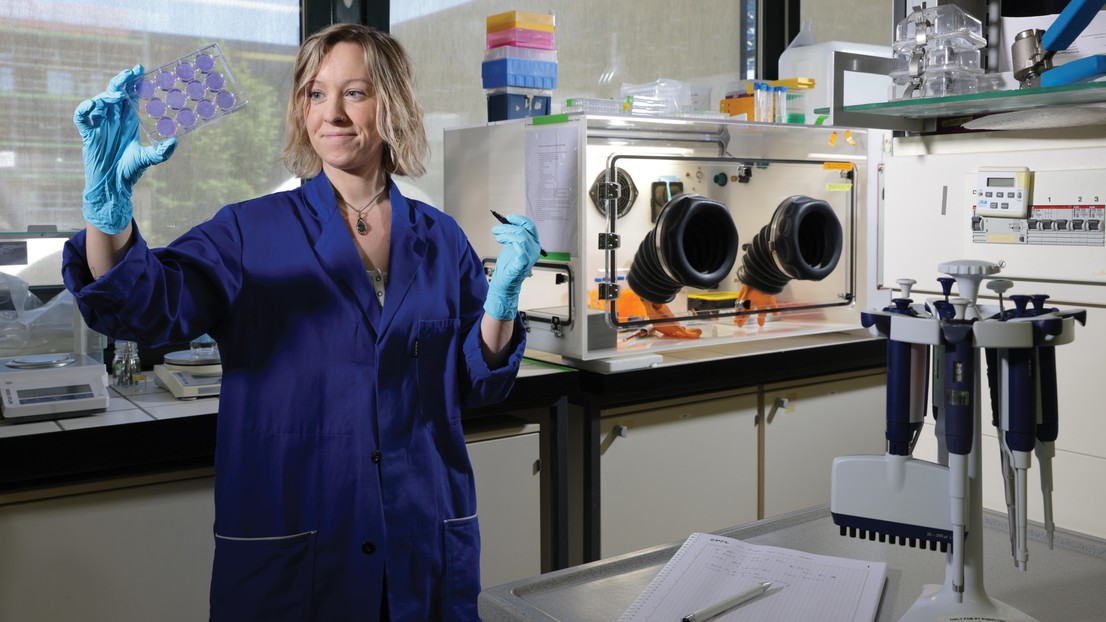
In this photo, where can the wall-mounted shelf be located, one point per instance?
(922, 115)
(989, 102)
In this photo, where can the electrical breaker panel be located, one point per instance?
(1066, 208)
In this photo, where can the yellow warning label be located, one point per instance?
(1005, 238)
(837, 166)
(842, 187)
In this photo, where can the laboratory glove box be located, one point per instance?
(670, 233)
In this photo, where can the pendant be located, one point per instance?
(362, 228)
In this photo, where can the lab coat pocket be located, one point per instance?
(462, 568)
(266, 579)
(436, 356)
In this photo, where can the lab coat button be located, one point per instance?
(368, 548)
(376, 457)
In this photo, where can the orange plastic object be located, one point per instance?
(757, 300)
(629, 304)
(737, 105)
(671, 329)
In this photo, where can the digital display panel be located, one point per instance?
(59, 392)
(1000, 182)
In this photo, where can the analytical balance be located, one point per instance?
(51, 386)
(50, 361)
(189, 374)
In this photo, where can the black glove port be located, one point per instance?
(693, 243)
(802, 242)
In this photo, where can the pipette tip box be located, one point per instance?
(519, 72)
(541, 22)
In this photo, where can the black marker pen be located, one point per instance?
(503, 219)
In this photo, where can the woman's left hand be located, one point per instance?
(519, 238)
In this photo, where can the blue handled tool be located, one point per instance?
(903, 424)
(1048, 429)
(1033, 50)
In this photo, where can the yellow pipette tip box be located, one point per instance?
(520, 19)
(792, 84)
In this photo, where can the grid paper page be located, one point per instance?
(708, 569)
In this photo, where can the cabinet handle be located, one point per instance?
(780, 403)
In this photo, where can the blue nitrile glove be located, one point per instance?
(519, 254)
(113, 157)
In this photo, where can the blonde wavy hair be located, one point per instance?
(398, 115)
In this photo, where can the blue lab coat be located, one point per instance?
(340, 455)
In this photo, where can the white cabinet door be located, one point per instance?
(681, 467)
(139, 553)
(508, 500)
(811, 424)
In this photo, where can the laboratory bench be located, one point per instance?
(121, 491)
(146, 433)
(735, 386)
(1064, 583)
(147, 436)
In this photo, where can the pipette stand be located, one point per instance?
(991, 328)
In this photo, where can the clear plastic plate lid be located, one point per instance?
(186, 94)
(940, 22)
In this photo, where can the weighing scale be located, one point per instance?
(189, 374)
(51, 386)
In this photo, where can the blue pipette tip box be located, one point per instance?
(186, 94)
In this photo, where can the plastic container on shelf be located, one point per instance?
(514, 51)
(596, 105)
(519, 72)
(762, 96)
(945, 58)
(816, 62)
(656, 106)
(947, 21)
(779, 104)
(942, 83)
(520, 19)
(629, 303)
(738, 106)
(796, 107)
(947, 54)
(517, 102)
(521, 37)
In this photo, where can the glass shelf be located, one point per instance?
(36, 234)
(989, 102)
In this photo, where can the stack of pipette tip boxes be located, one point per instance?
(520, 65)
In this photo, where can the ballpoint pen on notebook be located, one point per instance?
(503, 219)
(707, 613)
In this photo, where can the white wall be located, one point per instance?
(927, 214)
(858, 21)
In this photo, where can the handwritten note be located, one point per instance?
(708, 569)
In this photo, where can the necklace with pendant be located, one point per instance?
(362, 228)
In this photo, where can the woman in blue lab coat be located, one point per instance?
(353, 323)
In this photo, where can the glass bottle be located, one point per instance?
(126, 364)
